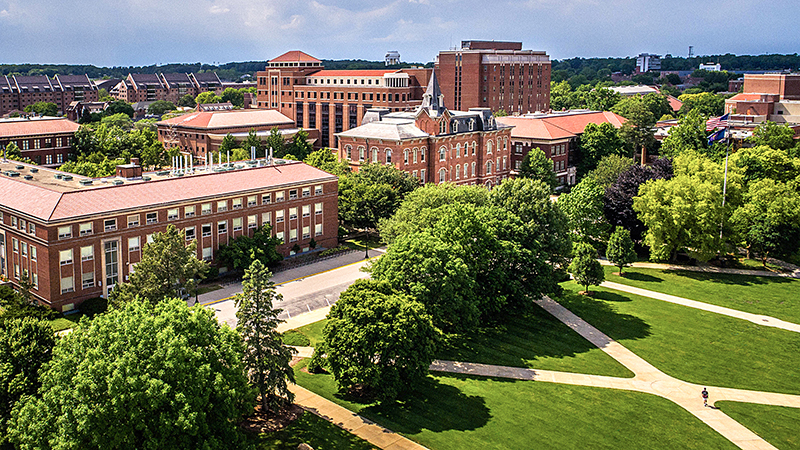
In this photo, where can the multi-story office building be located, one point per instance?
(148, 87)
(17, 92)
(332, 101)
(646, 62)
(75, 237)
(43, 140)
(495, 75)
(433, 143)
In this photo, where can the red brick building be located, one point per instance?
(770, 96)
(333, 101)
(17, 92)
(556, 134)
(201, 132)
(148, 87)
(44, 140)
(77, 237)
(495, 75)
(433, 143)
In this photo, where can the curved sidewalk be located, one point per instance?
(757, 319)
(706, 269)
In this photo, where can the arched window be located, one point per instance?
(442, 153)
(458, 172)
(466, 170)
(466, 149)
(347, 150)
(361, 153)
(474, 147)
(488, 147)
(416, 150)
(405, 156)
(442, 127)
(442, 175)
(471, 124)
(374, 154)
(488, 167)
(505, 143)
(473, 168)
(458, 150)
(388, 156)
(455, 126)
(422, 154)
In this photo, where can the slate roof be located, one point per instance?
(395, 130)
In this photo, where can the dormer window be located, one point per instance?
(455, 126)
(471, 124)
(442, 127)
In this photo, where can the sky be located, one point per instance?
(145, 32)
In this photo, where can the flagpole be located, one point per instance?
(725, 179)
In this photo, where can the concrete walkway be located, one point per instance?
(647, 379)
(343, 418)
(757, 319)
(707, 269)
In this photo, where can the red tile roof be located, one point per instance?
(36, 127)
(557, 126)
(674, 103)
(745, 98)
(53, 206)
(295, 56)
(352, 73)
(229, 119)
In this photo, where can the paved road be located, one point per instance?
(313, 287)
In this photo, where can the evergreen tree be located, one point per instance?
(276, 143)
(585, 267)
(620, 248)
(228, 144)
(253, 141)
(266, 359)
(538, 166)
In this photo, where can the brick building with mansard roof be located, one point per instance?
(76, 237)
(433, 143)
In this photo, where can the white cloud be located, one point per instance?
(421, 2)
(216, 9)
(4, 13)
(294, 22)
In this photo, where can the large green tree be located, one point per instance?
(706, 103)
(242, 251)
(637, 132)
(325, 159)
(43, 109)
(228, 144)
(299, 146)
(536, 165)
(207, 97)
(597, 142)
(159, 107)
(26, 344)
(167, 266)
(234, 96)
(277, 143)
(266, 359)
(585, 267)
(378, 339)
(620, 248)
(254, 142)
(583, 206)
(139, 377)
(187, 101)
(373, 193)
(689, 134)
(117, 107)
(758, 163)
(609, 169)
(773, 135)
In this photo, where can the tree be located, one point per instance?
(618, 198)
(240, 154)
(597, 142)
(373, 193)
(118, 107)
(228, 143)
(773, 135)
(253, 141)
(95, 165)
(299, 146)
(706, 103)
(620, 248)
(266, 359)
(276, 142)
(187, 101)
(602, 99)
(325, 159)
(159, 107)
(140, 377)
(207, 97)
(637, 132)
(768, 223)
(689, 134)
(686, 210)
(243, 250)
(120, 120)
(536, 165)
(427, 268)
(757, 163)
(26, 344)
(234, 96)
(43, 109)
(608, 170)
(167, 265)
(585, 267)
(379, 340)
(102, 95)
(657, 104)
(583, 206)
(500, 113)
(11, 151)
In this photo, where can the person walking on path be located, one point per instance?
(705, 397)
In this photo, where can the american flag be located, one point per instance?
(717, 122)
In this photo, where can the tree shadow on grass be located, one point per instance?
(641, 277)
(603, 316)
(432, 406)
(732, 279)
(610, 296)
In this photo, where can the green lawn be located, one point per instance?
(312, 333)
(772, 296)
(536, 340)
(62, 323)
(464, 412)
(312, 430)
(777, 425)
(693, 345)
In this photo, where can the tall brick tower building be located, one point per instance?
(495, 75)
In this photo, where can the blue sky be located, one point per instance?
(143, 32)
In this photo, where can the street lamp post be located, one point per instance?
(366, 246)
